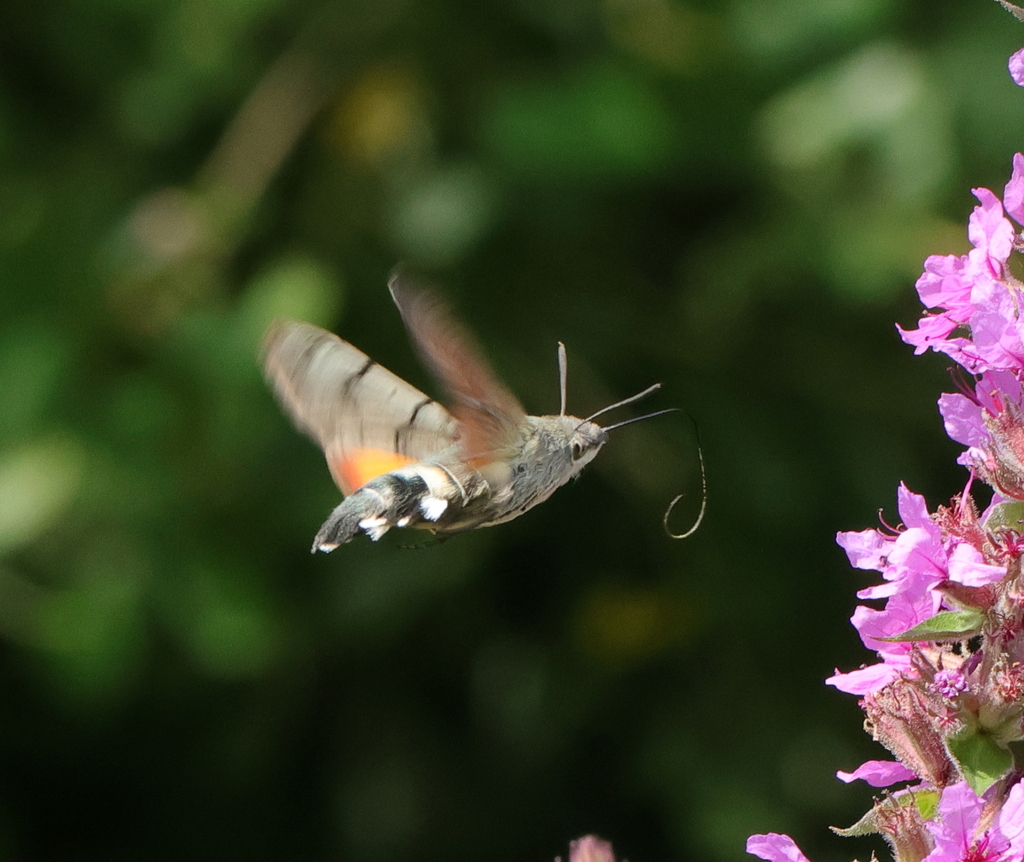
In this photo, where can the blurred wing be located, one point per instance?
(367, 420)
(490, 417)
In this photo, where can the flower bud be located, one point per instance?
(903, 718)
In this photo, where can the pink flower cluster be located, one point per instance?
(946, 696)
(976, 290)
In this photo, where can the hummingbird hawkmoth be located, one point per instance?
(403, 460)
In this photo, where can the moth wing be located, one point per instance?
(367, 420)
(490, 417)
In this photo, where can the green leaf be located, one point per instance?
(948, 624)
(1006, 516)
(926, 802)
(982, 761)
(867, 825)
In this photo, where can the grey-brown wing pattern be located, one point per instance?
(367, 420)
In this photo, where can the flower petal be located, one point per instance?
(1016, 66)
(775, 848)
(878, 773)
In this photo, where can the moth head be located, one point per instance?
(586, 437)
(585, 441)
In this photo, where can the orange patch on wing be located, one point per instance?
(359, 466)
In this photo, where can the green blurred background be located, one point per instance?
(733, 198)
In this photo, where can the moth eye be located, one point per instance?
(577, 451)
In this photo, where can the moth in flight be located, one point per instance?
(403, 460)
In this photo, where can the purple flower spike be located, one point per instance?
(945, 615)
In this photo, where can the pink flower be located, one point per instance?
(949, 683)
(915, 604)
(967, 567)
(914, 564)
(1013, 194)
(917, 548)
(864, 680)
(1016, 65)
(991, 234)
(976, 291)
(590, 848)
(775, 848)
(962, 417)
(960, 834)
(867, 549)
(878, 773)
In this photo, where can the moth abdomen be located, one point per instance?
(416, 495)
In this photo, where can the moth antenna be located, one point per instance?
(563, 373)
(703, 491)
(624, 402)
(640, 418)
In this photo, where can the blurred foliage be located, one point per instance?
(734, 198)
